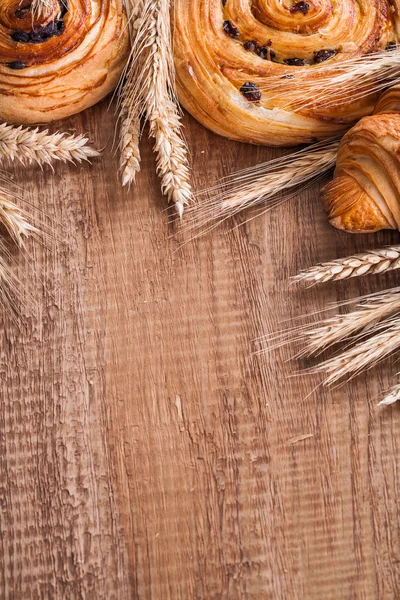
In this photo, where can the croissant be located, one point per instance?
(364, 195)
(227, 51)
(57, 65)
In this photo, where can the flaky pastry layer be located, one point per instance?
(226, 52)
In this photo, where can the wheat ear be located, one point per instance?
(342, 81)
(391, 397)
(14, 220)
(149, 92)
(363, 355)
(270, 183)
(370, 263)
(33, 146)
(366, 318)
(129, 117)
(368, 315)
(129, 149)
(163, 113)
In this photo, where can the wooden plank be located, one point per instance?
(145, 451)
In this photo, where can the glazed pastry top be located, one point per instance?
(62, 63)
(231, 53)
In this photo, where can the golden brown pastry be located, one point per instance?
(227, 50)
(56, 66)
(364, 195)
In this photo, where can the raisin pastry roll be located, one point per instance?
(227, 52)
(364, 195)
(59, 64)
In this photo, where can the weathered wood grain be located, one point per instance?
(145, 451)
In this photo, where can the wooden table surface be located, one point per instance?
(146, 452)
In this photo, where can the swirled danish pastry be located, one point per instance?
(364, 195)
(57, 64)
(228, 51)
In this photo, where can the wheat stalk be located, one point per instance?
(149, 91)
(31, 145)
(14, 220)
(272, 182)
(349, 80)
(391, 397)
(370, 263)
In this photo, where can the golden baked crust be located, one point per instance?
(220, 45)
(58, 66)
(364, 195)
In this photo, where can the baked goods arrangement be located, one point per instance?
(237, 62)
(241, 66)
(58, 62)
(321, 73)
(284, 72)
(256, 71)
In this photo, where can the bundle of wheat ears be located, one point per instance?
(371, 332)
(29, 146)
(147, 94)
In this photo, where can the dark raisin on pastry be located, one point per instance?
(251, 91)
